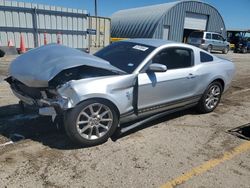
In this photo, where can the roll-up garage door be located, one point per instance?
(195, 21)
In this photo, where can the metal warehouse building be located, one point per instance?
(172, 21)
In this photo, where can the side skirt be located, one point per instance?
(153, 117)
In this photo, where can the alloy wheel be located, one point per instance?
(94, 121)
(213, 97)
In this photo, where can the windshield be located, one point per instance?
(126, 56)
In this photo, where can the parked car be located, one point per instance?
(125, 81)
(208, 41)
(241, 44)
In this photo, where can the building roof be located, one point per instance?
(145, 19)
(148, 21)
(238, 30)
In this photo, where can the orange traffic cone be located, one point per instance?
(44, 38)
(22, 44)
(10, 43)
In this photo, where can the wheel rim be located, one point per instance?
(94, 121)
(226, 50)
(213, 97)
(209, 49)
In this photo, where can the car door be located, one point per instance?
(172, 88)
(215, 42)
(218, 42)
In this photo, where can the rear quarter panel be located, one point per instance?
(218, 69)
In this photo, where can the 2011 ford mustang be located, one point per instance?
(123, 82)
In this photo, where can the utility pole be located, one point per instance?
(95, 8)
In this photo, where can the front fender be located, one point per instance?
(117, 89)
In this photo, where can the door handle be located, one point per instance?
(191, 76)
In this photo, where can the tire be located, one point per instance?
(209, 48)
(59, 123)
(99, 121)
(214, 96)
(226, 50)
(2, 53)
(244, 50)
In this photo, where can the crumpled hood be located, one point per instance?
(38, 66)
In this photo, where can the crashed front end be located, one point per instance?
(56, 78)
(47, 100)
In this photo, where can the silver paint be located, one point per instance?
(155, 91)
(38, 66)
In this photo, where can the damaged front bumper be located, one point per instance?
(46, 106)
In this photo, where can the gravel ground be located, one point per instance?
(149, 156)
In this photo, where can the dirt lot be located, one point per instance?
(150, 156)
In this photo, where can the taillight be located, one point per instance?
(202, 41)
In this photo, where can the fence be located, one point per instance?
(68, 25)
(102, 27)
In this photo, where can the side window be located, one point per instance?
(204, 57)
(175, 58)
(208, 36)
(214, 36)
(220, 37)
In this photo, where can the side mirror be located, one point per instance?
(156, 67)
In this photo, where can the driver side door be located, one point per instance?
(165, 90)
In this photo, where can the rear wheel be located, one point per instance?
(91, 123)
(211, 98)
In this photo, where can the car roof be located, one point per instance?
(151, 42)
(206, 32)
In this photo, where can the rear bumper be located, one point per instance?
(202, 46)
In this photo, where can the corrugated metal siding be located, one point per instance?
(148, 22)
(138, 22)
(102, 27)
(176, 17)
(71, 24)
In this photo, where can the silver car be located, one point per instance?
(125, 81)
(209, 41)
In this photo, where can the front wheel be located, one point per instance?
(91, 122)
(226, 50)
(209, 48)
(244, 50)
(210, 98)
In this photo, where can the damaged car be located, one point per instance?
(124, 82)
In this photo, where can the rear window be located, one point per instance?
(204, 57)
(196, 35)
